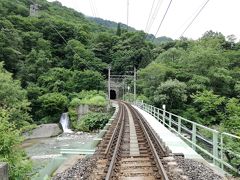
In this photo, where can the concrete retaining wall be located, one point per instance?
(3, 171)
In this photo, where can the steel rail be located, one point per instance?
(115, 131)
(152, 133)
(153, 149)
(117, 147)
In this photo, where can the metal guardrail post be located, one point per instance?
(215, 146)
(154, 110)
(194, 140)
(164, 114)
(170, 120)
(179, 125)
(221, 151)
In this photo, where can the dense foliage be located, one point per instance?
(55, 61)
(61, 51)
(92, 121)
(96, 99)
(197, 79)
(10, 151)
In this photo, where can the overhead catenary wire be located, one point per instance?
(163, 17)
(150, 15)
(65, 41)
(127, 13)
(195, 17)
(154, 15)
(93, 8)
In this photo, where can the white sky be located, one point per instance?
(219, 15)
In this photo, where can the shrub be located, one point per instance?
(95, 100)
(10, 140)
(52, 106)
(92, 121)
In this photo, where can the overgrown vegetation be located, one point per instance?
(95, 99)
(92, 121)
(43, 74)
(197, 79)
(10, 151)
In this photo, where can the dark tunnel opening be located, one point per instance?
(113, 94)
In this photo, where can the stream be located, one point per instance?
(43, 150)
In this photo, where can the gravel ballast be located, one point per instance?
(196, 170)
(80, 170)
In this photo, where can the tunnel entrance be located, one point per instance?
(113, 94)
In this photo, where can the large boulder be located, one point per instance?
(44, 131)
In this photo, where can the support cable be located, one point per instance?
(163, 17)
(195, 17)
(149, 15)
(92, 8)
(127, 12)
(65, 41)
(154, 15)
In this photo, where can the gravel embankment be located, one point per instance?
(196, 170)
(80, 170)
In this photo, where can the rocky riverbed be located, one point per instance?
(43, 150)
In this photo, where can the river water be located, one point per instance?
(43, 150)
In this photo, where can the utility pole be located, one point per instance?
(123, 88)
(127, 12)
(135, 78)
(109, 82)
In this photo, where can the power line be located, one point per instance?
(195, 17)
(154, 15)
(163, 17)
(65, 41)
(150, 15)
(127, 12)
(92, 8)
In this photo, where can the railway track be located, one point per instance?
(129, 150)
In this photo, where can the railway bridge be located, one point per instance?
(141, 141)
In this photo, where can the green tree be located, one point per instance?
(232, 121)
(13, 97)
(56, 80)
(87, 80)
(52, 106)
(35, 64)
(210, 107)
(10, 151)
(152, 76)
(172, 93)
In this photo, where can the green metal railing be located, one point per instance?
(215, 146)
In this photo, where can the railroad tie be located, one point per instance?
(134, 148)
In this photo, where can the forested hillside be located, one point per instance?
(199, 80)
(61, 52)
(50, 60)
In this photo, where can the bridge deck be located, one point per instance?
(175, 143)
